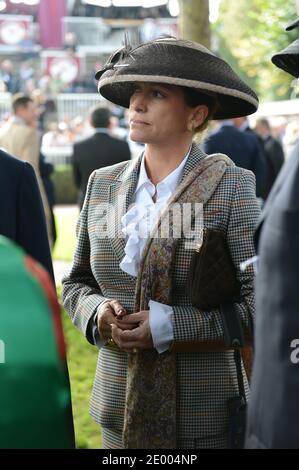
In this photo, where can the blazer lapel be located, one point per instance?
(121, 193)
(194, 158)
(196, 154)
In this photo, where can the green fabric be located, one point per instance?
(34, 390)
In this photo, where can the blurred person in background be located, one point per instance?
(70, 42)
(55, 135)
(26, 72)
(278, 126)
(273, 152)
(8, 77)
(97, 151)
(20, 138)
(242, 147)
(40, 103)
(242, 123)
(46, 169)
(78, 129)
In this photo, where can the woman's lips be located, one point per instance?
(137, 122)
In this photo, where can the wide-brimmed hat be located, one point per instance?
(288, 59)
(176, 62)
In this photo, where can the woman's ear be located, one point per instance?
(199, 115)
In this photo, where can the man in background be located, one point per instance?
(97, 151)
(20, 138)
(273, 153)
(242, 147)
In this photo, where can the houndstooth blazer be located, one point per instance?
(206, 380)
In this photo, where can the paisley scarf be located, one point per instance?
(150, 413)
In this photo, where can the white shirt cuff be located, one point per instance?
(160, 319)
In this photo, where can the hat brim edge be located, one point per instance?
(195, 84)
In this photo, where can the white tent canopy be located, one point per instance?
(278, 108)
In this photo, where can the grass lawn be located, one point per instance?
(66, 219)
(82, 357)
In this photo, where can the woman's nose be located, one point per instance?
(138, 102)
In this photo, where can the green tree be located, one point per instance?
(194, 21)
(249, 32)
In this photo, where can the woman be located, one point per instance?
(127, 290)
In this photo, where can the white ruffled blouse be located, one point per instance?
(137, 224)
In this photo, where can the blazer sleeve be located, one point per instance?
(31, 222)
(192, 324)
(81, 293)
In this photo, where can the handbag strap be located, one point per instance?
(237, 357)
(234, 339)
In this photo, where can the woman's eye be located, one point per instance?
(158, 94)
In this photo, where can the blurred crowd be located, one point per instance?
(44, 88)
(26, 79)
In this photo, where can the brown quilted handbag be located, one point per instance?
(212, 277)
(212, 281)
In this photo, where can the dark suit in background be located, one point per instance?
(273, 152)
(46, 169)
(97, 151)
(241, 147)
(274, 158)
(22, 217)
(274, 412)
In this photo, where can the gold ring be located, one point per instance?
(112, 343)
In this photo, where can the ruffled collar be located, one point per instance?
(141, 216)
